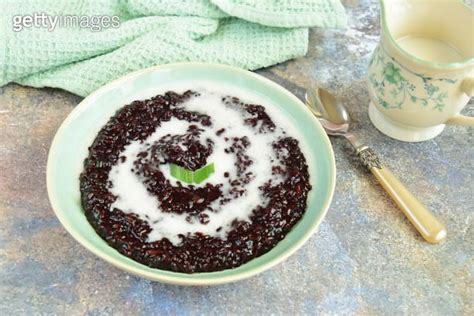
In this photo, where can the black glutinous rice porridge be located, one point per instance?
(256, 193)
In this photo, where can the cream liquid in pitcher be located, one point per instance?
(430, 49)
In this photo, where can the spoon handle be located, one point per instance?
(424, 221)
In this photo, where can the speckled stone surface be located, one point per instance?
(365, 259)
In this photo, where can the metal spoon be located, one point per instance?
(335, 119)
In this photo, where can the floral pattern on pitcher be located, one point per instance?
(388, 79)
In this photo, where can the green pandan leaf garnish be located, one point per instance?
(189, 176)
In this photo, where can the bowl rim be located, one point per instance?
(50, 183)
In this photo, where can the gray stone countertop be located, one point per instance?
(366, 257)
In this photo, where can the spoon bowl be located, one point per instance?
(331, 114)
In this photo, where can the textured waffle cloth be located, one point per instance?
(245, 33)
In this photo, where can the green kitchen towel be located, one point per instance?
(68, 45)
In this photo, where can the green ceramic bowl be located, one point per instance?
(69, 148)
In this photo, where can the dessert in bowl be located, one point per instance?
(191, 173)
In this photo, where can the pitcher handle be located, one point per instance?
(467, 86)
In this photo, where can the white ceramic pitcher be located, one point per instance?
(422, 73)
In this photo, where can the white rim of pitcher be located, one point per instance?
(420, 60)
